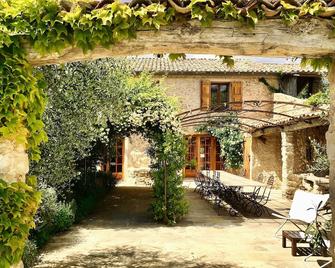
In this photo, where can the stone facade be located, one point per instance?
(187, 90)
(287, 154)
(301, 143)
(281, 154)
(266, 158)
(14, 163)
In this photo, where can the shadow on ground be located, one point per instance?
(131, 257)
(129, 207)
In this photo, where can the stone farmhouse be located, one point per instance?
(277, 126)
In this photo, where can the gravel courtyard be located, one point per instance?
(121, 233)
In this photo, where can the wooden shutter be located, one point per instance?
(205, 94)
(236, 95)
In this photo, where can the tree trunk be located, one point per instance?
(331, 153)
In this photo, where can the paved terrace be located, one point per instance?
(120, 233)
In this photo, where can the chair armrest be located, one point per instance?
(280, 216)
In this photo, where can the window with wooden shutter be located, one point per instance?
(205, 94)
(219, 95)
(236, 95)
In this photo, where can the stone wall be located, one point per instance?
(14, 163)
(136, 161)
(186, 88)
(301, 141)
(266, 158)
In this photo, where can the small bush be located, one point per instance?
(86, 203)
(320, 162)
(48, 207)
(53, 216)
(64, 217)
(30, 254)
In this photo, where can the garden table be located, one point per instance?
(234, 190)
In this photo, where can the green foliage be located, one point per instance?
(229, 11)
(230, 139)
(19, 201)
(30, 254)
(168, 158)
(146, 109)
(52, 216)
(87, 202)
(203, 11)
(289, 13)
(317, 64)
(177, 56)
(77, 93)
(64, 217)
(322, 97)
(228, 60)
(21, 100)
(319, 98)
(270, 88)
(320, 162)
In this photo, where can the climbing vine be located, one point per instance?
(230, 138)
(19, 201)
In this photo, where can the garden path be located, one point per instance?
(120, 233)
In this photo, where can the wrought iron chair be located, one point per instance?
(256, 201)
(303, 209)
(318, 234)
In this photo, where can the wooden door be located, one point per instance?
(191, 157)
(203, 153)
(117, 159)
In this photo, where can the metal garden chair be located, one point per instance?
(303, 209)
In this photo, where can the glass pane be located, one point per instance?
(190, 157)
(224, 93)
(119, 168)
(214, 94)
(205, 149)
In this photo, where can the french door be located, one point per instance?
(203, 153)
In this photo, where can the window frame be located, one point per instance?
(219, 95)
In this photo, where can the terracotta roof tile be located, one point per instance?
(166, 66)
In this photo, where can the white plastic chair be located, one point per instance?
(303, 208)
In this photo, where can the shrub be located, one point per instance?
(30, 254)
(18, 202)
(52, 216)
(64, 217)
(48, 207)
(320, 163)
(87, 202)
(168, 154)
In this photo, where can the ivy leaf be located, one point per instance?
(176, 56)
(228, 60)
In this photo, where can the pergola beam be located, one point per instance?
(308, 37)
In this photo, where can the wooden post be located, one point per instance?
(165, 193)
(331, 152)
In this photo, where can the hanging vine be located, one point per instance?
(229, 137)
